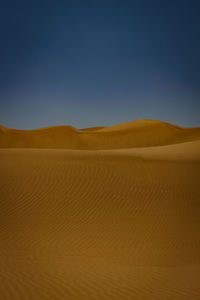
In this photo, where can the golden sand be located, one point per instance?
(120, 223)
(139, 133)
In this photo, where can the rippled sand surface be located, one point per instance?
(100, 224)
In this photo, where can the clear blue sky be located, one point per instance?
(97, 62)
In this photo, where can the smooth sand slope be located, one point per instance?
(108, 224)
(139, 133)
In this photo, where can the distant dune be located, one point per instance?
(118, 223)
(139, 133)
(93, 128)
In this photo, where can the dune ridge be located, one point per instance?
(139, 133)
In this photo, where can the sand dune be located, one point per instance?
(140, 133)
(106, 224)
(93, 128)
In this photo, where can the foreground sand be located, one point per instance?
(107, 224)
(100, 225)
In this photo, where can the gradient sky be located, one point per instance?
(97, 62)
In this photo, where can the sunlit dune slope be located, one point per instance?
(100, 225)
(140, 133)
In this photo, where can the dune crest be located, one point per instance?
(139, 133)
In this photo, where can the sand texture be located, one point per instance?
(121, 222)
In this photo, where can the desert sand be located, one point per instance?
(100, 213)
(139, 133)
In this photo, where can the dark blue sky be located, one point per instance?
(97, 62)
